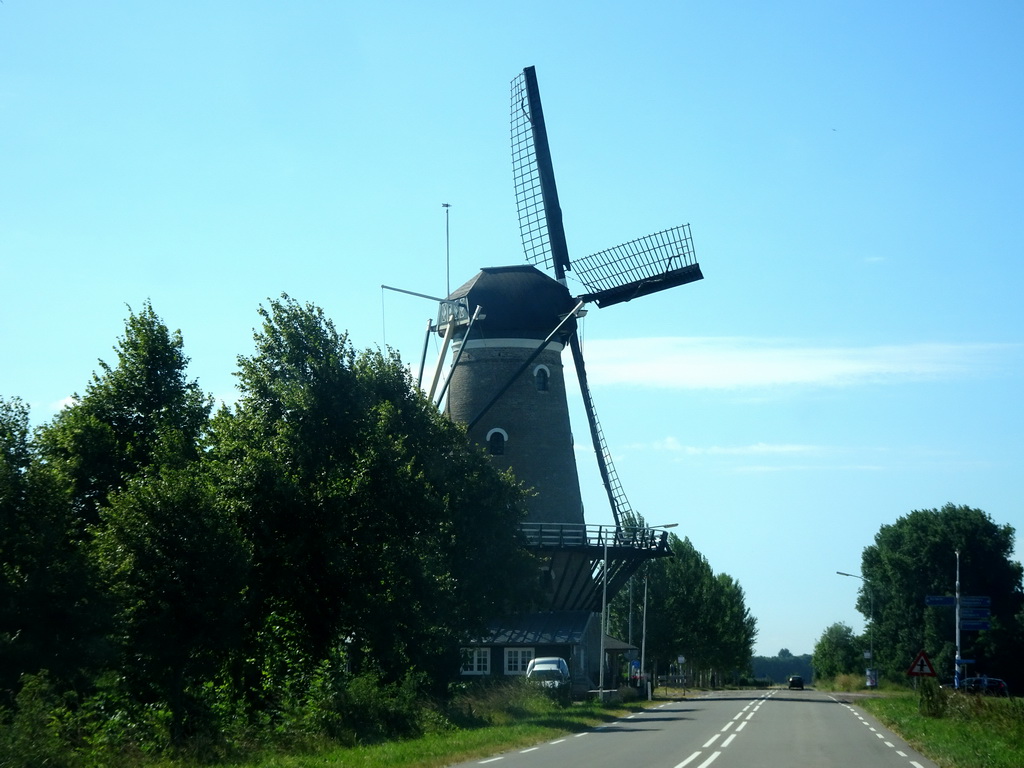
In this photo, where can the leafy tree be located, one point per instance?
(176, 565)
(916, 557)
(44, 579)
(374, 526)
(737, 629)
(138, 419)
(139, 414)
(837, 652)
(694, 613)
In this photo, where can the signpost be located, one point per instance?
(940, 600)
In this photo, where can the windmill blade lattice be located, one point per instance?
(540, 216)
(640, 267)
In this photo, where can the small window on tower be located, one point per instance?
(496, 442)
(541, 375)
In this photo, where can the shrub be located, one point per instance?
(932, 702)
(31, 735)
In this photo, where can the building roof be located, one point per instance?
(517, 302)
(550, 628)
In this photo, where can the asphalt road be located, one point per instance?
(767, 729)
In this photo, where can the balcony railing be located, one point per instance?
(578, 536)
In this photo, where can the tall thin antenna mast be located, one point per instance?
(447, 252)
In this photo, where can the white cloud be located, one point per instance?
(742, 362)
(672, 445)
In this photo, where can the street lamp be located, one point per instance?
(871, 616)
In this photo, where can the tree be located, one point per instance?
(737, 629)
(136, 415)
(916, 557)
(111, 459)
(837, 652)
(176, 566)
(374, 525)
(44, 574)
(694, 613)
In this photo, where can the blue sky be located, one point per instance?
(851, 172)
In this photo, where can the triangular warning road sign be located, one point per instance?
(922, 666)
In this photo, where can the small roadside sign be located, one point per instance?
(975, 613)
(962, 662)
(922, 666)
(974, 626)
(937, 600)
(976, 601)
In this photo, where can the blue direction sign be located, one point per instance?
(962, 662)
(939, 600)
(975, 613)
(974, 626)
(976, 601)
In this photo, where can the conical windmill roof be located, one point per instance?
(516, 302)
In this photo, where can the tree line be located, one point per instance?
(916, 558)
(692, 613)
(173, 573)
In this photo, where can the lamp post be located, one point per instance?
(604, 614)
(871, 620)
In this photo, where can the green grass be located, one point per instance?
(525, 724)
(972, 731)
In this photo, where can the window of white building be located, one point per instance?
(517, 659)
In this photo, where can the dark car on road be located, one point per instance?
(795, 681)
(986, 686)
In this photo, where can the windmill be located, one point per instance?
(507, 327)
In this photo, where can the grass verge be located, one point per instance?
(539, 721)
(969, 731)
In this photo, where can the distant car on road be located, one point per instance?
(795, 681)
(986, 686)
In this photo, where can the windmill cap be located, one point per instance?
(517, 302)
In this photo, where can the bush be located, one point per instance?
(31, 735)
(848, 683)
(932, 702)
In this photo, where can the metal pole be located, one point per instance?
(956, 661)
(643, 643)
(447, 251)
(871, 616)
(604, 609)
(629, 632)
(423, 358)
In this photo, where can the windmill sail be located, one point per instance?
(640, 267)
(540, 216)
(622, 513)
